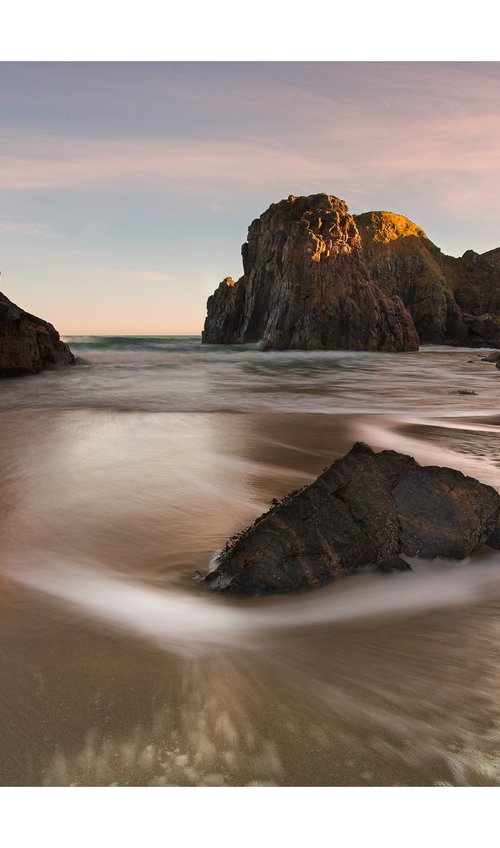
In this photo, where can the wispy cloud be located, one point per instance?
(368, 148)
(97, 164)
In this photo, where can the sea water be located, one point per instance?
(121, 477)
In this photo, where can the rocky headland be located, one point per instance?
(305, 286)
(316, 277)
(364, 512)
(28, 344)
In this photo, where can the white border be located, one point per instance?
(228, 30)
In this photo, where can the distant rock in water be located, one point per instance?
(362, 512)
(452, 300)
(27, 343)
(305, 286)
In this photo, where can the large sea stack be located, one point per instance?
(28, 344)
(306, 286)
(364, 511)
(452, 300)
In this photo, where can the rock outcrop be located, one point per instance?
(492, 255)
(306, 286)
(452, 300)
(364, 511)
(27, 343)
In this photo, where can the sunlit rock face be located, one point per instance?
(305, 286)
(452, 300)
(27, 343)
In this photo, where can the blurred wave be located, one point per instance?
(178, 373)
(117, 668)
(191, 626)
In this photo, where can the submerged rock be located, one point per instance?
(305, 286)
(494, 356)
(27, 343)
(363, 512)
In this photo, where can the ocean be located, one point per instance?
(123, 476)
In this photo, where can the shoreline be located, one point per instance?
(116, 669)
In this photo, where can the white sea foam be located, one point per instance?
(167, 374)
(178, 622)
(105, 516)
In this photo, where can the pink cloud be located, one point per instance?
(70, 164)
(357, 151)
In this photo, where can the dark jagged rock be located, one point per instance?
(452, 300)
(475, 280)
(442, 512)
(492, 255)
(305, 286)
(362, 512)
(225, 308)
(27, 343)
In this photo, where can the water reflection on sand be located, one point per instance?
(117, 668)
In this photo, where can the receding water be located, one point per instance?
(122, 476)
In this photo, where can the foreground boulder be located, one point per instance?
(27, 343)
(363, 512)
(305, 286)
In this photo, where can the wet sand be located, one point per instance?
(117, 669)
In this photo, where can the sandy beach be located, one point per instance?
(118, 669)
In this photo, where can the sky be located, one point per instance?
(127, 188)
